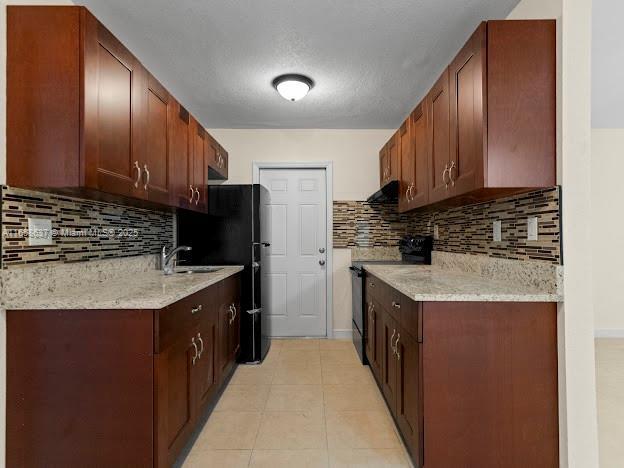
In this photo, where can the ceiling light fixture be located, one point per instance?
(292, 86)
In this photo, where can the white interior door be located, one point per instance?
(294, 279)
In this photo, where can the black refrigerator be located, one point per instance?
(230, 235)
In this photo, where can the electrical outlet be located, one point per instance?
(532, 228)
(497, 231)
(436, 232)
(39, 231)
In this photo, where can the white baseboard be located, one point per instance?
(341, 334)
(609, 333)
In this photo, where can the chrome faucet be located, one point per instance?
(165, 258)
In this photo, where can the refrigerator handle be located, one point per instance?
(263, 244)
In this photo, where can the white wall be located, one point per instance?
(608, 226)
(577, 388)
(355, 156)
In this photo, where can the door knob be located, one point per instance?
(321, 262)
(321, 250)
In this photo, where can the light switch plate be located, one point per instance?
(532, 228)
(497, 231)
(436, 232)
(39, 231)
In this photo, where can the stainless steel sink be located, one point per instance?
(196, 270)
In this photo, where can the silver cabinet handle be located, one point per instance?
(411, 188)
(231, 315)
(407, 193)
(235, 311)
(392, 338)
(198, 196)
(396, 347)
(138, 168)
(321, 250)
(450, 173)
(147, 176)
(194, 310)
(396, 305)
(321, 262)
(201, 342)
(446, 169)
(196, 351)
(192, 194)
(371, 284)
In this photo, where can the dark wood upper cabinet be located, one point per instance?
(198, 169)
(468, 115)
(157, 158)
(491, 117)
(114, 138)
(389, 161)
(104, 127)
(217, 160)
(406, 158)
(438, 128)
(182, 193)
(414, 158)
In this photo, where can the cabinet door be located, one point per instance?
(406, 156)
(393, 158)
(389, 332)
(211, 155)
(225, 162)
(384, 166)
(113, 115)
(468, 114)
(175, 395)
(419, 195)
(373, 352)
(224, 325)
(198, 168)
(439, 139)
(156, 158)
(205, 375)
(408, 393)
(181, 163)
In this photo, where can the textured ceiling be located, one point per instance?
(371, 59)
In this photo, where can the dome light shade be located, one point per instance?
(293, 87)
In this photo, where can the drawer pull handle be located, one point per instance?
(147, 177)
(138, 168)
(196, 350)
(396, 347)
(231, 314)
(392, 338)
(396, 305)
(194, 310)
(201, 343)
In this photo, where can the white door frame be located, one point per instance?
(329, 196)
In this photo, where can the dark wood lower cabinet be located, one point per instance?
(116, 387)
(470, 384)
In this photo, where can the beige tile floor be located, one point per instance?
(610, 391)
(310, 404)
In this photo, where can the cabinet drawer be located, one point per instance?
(182, 315)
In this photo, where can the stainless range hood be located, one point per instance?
(387, 193)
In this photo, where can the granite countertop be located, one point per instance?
(433, 283)
(131, 290)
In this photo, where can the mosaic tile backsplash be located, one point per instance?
(466, 229)
(82, 230)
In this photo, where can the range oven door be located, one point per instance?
(357, 307)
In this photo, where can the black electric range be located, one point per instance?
(415, 250)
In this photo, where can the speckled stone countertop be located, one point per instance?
(435, 283)
(148, 289)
